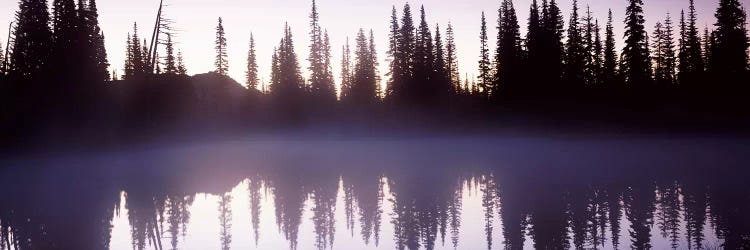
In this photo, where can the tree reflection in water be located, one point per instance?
(589, 208)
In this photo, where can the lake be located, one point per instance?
(444, 192)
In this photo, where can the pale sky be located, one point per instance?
(196, 20)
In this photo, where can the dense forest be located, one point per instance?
(55, 78)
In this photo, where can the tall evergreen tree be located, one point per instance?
(346, 73)
(128, 69)
(374, 63)
(33, 36)
(423, 57)
(730, 49)
(609, 69)
(287, 82)
(552, 44)
(508, 54)
(588, 42)
(534, 40)
(657, 48)
(321, 84)
(708, 43)
(395, 67)
(636, 62)
(598, 55)
(664, 53)
(251, 75)
(66, 44)
(575, 54)
(170, 63)
(363, 89)
(441, 77)
(181, 70)
(2, 59)
(485, 70)
(407, 58)
(222, 62)
(451, 59)
(693, 65)
(94, 36)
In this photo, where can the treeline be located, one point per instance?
(56, 69)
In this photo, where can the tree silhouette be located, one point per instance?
(440, 87)
(170, 66)
(692, 64)
(346, 73)
(664, 54)
(94, 42)
(636, 62)
(321, 79)
(552, 44)
(363, 89)
(33, 36)
(485, 73)
(610, 53)
(422, 63)
(222, 62)
(509, 54)
(451, 60)
(575, 51)
(251, 75)
(729, 55)
(395, 70)
(181, 70)
(404, 82)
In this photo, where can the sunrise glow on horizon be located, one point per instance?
(195, 22)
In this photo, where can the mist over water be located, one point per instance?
(472, 192)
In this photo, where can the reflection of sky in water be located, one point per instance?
(203, 230)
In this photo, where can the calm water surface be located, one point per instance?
(448, 193)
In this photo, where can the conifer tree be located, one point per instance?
(729, 53)
(485, 74)
(451, 59)
(322, 87)
(636, 63)
(32, 39)
(509, 54)
(251, 75)
(374, 64)
(692, 64)
(598, 61)
(609, 69)
(441, 84)
(66, 44)
(128, 70)
(395, 67)
(287, 82)
(363, 87)
(534, 40)
(170, 65)
(575, 55)
(665, 75)
(422, 62)
(2, 59)
(708, 49)
(94, 42)
(552, 42)
(346, 73)
(221, 63)
(657, 55)
(588, 42)
(181, 70)
(406, 55)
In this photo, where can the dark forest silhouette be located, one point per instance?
(55, 82)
